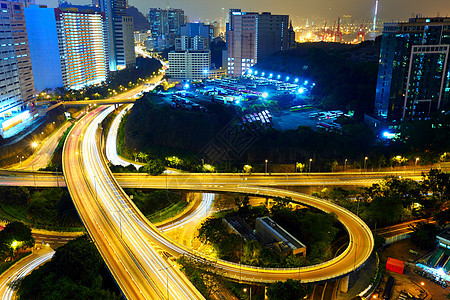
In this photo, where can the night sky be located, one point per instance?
(359, 9)
(388, 9)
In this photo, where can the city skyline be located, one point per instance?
(196, 9)
(203, 10)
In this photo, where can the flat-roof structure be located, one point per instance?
(274, 233)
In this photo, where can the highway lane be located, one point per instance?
(13, 276)
(136, 180)
(352, 258)
(111, 145)
(111, 221)
(43, 154)
(401, 228)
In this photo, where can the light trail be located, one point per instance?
(111, 141)
(8, 286)
(142, 268)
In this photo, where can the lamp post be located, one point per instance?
(119, 212)
(167, 283)
(365, 161)
(245, 291)
(34, 145)
(345, 165)
(356, 247)
(296, 164)
(310, 161)
(265, 169)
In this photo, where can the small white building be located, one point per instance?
(189, 65)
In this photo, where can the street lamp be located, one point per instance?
(119, 212)
(365, 161)
(167, 272)
(310, 161)
(345, 165)
(417, 160)
(34, 145)
(245, 291)
(356, 247)
(265, 169)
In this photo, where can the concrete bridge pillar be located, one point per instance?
(344, 284)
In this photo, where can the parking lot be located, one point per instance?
(279, 103)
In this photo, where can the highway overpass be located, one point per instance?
(130, 244)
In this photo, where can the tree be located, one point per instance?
(300, 167)
(154, 167)
(442, 217)
(424, 235)
(76, 271)
(288, 290)
(438, 183)
(15, 236)
(142, 156)
(14, 195)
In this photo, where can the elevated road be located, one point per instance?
(113, 220)
(11, 278)
(199, 181)
(121, 233)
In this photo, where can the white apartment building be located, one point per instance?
(189, 65)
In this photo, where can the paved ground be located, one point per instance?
(285, 120)
(410, 281)
(359, 281)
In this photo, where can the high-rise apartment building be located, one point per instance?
(191, 43)
(189, 64)
(252, 36)
(120, 34)
(16, 75)
(165, 25)
(413, 74)
(198, 29)
(69, 48)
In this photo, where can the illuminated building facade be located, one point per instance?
(16, 75)
(120, 34)
(198, 29)
(413, 75)
(165, 26)
(68, 47)
(252, 36)
(165, 21)
(189, 64)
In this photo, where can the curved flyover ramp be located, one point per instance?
(132, 247)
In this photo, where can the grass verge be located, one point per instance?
(6, 265)
(168, 212)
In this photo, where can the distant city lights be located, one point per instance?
(296, 80)
(301, 90)
(262, 74)
(389, 135)
(265, 95)
(279, 76)
(306, 82)
(287, 78)
(186, 86)
(270, 75)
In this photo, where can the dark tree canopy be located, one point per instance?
(288, 290)
(76, 271)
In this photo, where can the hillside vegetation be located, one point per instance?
(345, 75)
